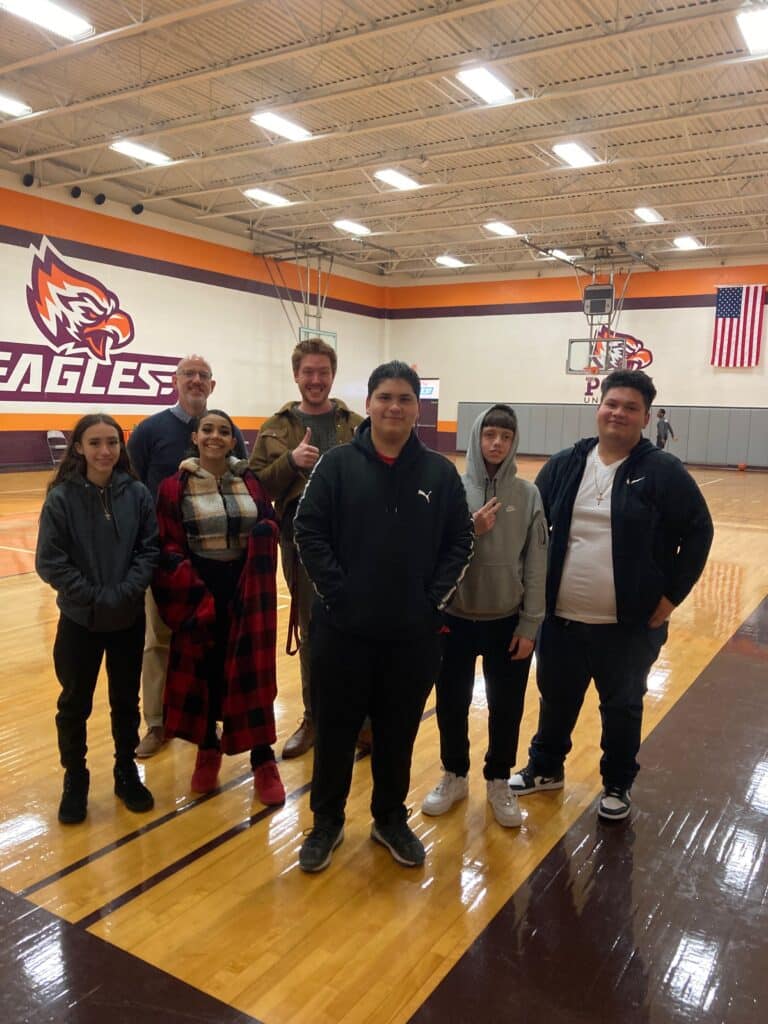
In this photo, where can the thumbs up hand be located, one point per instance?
(305, 455)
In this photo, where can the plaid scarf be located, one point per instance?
(219, 515)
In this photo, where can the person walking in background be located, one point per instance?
(156, 447)
(215, 589)
(97, 547)
(663, 429)
(286, 450)
(385, 535)
(495, 614)
(630, 533)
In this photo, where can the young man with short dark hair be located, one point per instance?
(385, 535)
(629, 536)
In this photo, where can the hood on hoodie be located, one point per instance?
(480, 487)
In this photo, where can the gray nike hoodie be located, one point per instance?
(508, 571)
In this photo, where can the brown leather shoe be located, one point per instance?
(301, 741)
(154, 740)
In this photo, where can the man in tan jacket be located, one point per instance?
(286, 450)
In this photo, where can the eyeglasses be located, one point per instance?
(189, 374)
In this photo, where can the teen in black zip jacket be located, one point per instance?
(97, 547)
(384, 532)
(629, 536)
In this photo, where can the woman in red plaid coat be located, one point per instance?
(215, 588)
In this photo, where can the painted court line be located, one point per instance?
(23, 551)
(706, 483)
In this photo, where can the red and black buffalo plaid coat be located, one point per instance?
(187, 608)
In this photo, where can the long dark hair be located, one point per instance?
(194, 426)
(73, 464)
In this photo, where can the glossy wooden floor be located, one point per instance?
(210, 891)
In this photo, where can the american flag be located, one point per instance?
(738, 325)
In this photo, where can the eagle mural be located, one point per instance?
(75, 312)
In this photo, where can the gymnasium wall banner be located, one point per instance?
(613, 350)
(84, 334)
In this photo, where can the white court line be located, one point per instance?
(32, 490)
(716, 481)
(24, 551)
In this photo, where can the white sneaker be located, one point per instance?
(506, 809)
(450, 789)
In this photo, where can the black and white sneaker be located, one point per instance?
(524, 782)
(403, 844)
(615, 804)
(317, 849)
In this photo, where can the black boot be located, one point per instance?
(130, 788)
(74, 797)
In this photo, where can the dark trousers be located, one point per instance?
(388, 678)
(618, 657)
(77, 656)
(505, 683)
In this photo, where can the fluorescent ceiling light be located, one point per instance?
(450, 261)
(574, 154)
(149, 156)
(351, 227)
(688, 242)
(262, 196)
(487, 86)
(754, 28)
(648, 214)
(498, 227)
(560, 255)
(281, 126)
(49, 15)
(396, 179)
(13, 107)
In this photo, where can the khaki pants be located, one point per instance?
(154, 664)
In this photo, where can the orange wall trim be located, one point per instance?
(66, 421)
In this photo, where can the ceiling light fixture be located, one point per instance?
(687, 242)
(351, 227)
(133, 149)
(50, 16)
(270, 198)
(648, 214)
(450, 261)
(754, 28)
(574, 155)
(396, 179)
(13, 107)
(281, 126)
(486, 85)
(560, 255)
(498, 227)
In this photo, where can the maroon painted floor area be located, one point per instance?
(54, 971)
(661, 919)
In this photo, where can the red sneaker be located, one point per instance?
(269, 786)
(205, 777)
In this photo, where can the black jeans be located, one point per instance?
(505, 683)
(386, 677)
(77, 656)
(618, 657)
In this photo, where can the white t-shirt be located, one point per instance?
(587, 592)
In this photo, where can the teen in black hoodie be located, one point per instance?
(98, 547)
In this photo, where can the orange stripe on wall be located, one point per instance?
(66, 421)
(447, 426)
(47, 217)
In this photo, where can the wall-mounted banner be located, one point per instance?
(84, 333)
(611, 351)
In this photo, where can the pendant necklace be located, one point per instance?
(104, 500)
(601, 491)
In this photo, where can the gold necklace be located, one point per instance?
(104, 500)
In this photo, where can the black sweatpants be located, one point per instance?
(388, 678)
(77, 657)
(505, 684)
(618, 657)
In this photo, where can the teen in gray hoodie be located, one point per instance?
(495, 613)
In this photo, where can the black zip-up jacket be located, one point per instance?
(99, 568)
(383, 545)
(661, 527)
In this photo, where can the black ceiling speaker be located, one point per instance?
(99, 199)
(137, 209)
(28, 180)
(75, 191)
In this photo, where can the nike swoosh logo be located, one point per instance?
(636, 480)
